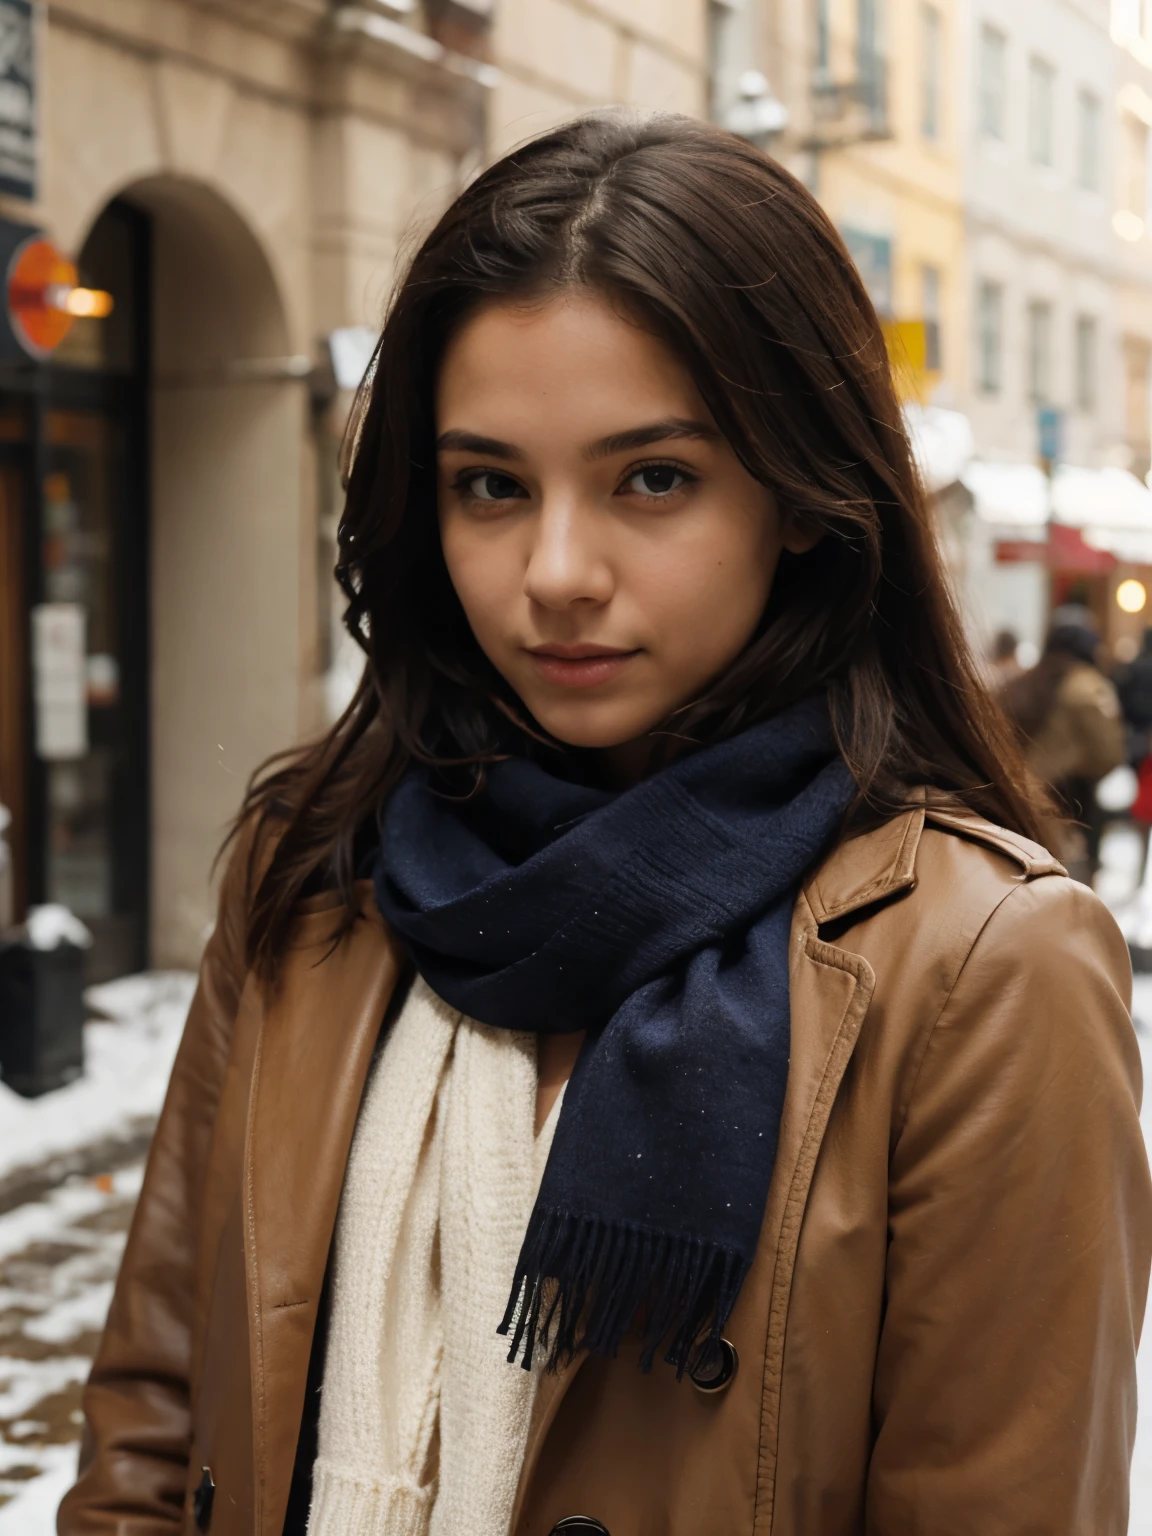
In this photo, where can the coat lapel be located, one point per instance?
(830, 993)
(316, 1041)
(830, 990)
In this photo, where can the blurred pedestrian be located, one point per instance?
(1003, 665)
(1069, 715)
(526, 1035)
(1134, 686)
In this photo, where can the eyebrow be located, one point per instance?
(666, 430)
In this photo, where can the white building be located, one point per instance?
(1056, 109)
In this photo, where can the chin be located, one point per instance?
(592, 724)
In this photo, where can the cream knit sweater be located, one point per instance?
(423, 1421)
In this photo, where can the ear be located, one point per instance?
(798, 537)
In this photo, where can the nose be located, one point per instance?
(568, 565)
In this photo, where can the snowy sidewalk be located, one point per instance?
(127, 1063)
(62, 1232)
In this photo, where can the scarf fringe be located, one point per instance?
(581, 1281)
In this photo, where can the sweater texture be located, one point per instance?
(423, 1423)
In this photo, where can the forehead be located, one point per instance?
(571, 362)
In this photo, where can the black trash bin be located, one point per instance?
(41, 1015)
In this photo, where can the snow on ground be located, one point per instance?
(128, 1058)
(58, 1262)
(59, 1254)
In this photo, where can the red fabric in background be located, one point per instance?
(1142, 805)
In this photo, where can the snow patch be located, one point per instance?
(128, 1060)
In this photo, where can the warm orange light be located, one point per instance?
(91, 303)
(36, 268)
(1131, 596)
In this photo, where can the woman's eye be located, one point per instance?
(489, 485)
(656, 480)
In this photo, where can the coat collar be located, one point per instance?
(866, 869)
(881, 862)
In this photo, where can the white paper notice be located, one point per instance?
(59, 673)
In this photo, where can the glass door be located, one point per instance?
(88, 619)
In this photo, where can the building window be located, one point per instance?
(930, 71)
(930, 306)
(823, 43)
(1041, 93)
(1039, 351)
(873, 257)
(1134, 166)
(993, 81)
(871, 64)
(1088, 141)
(1085, 363)
(1137, 366)
(989, 333)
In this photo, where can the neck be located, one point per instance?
(622, 766)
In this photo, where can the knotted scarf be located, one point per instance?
(658, 919)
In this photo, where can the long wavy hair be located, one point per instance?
(721, 253)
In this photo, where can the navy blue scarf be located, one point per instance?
(657, 919)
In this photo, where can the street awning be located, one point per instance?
(1111, 507)
(942, 443)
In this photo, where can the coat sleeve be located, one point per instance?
(134, 1455)
(1020, 1226)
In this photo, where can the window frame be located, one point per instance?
(990, 336)
(1086, 364)
(993, 83)
(931, 72)
(1041, 111)
(1089, 139)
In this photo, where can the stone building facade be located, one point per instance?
(241, 175)
(269, 158)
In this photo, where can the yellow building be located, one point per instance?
(875, 131)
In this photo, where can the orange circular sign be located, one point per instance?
(36, 273)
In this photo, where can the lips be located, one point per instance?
(580, 666)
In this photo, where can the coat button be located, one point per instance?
(719, 1377)
(202, 1499)
(579, 1525)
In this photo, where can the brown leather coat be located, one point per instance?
(938, 1335)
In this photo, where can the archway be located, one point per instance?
(226, 434)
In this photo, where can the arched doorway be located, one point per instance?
(163, 451)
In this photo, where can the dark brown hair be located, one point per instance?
(726, 257)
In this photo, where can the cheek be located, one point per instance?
(708, 593)
(478, 568)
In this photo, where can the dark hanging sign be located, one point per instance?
(18, 107)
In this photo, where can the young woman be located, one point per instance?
(654, 975)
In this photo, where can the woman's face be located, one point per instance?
(610, 551)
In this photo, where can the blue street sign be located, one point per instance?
(1050, 426)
